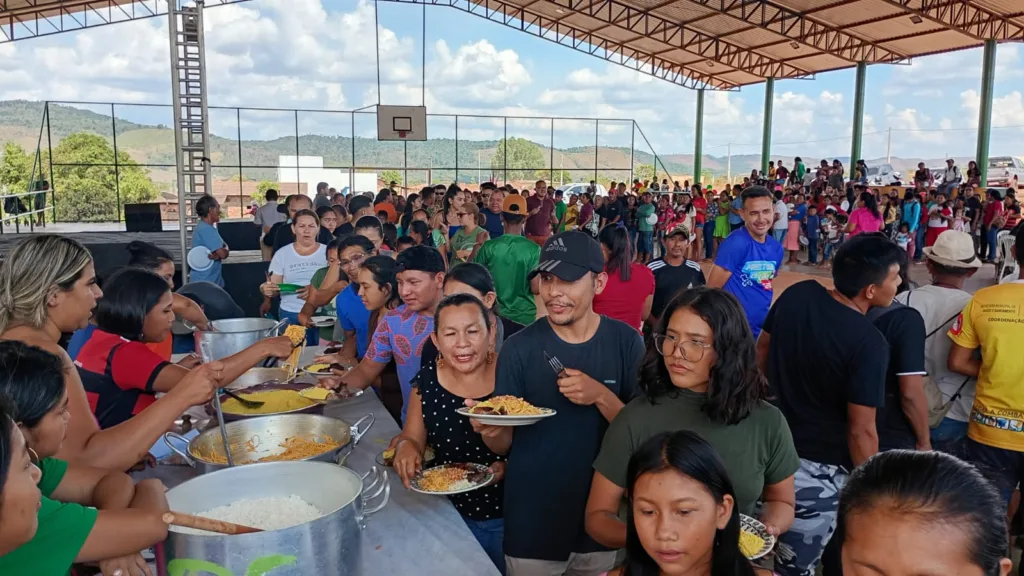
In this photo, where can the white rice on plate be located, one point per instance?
(272, 513)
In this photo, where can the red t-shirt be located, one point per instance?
(540, 223)
(118, 376)
(991, 209)
(625, 300)
(702, 204)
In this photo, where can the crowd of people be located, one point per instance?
(868, 411)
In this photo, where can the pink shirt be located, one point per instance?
(864, 221)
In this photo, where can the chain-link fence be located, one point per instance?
(95, 158)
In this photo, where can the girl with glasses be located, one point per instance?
(469, 237)
(700, 374)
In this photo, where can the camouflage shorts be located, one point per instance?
(817, 503)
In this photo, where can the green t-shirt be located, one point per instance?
(328, 310)
(510, 258)
(463, 240)
(63, 529)
(560, 208)
(757, 451)
(642, 212)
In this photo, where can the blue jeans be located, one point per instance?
(919, 243)
(491, 535)
(993, 242)
(709, 239)
(829, 248)
(1004, 468)
(312, 336)
(644, 243)
(812, 250)
(779, 234)
(950, 437)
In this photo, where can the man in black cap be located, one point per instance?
(584, 366)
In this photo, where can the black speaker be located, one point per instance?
(143, 218)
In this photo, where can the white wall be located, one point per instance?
(310, 171)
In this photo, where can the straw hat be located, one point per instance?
(954, 249)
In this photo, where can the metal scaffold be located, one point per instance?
(192, 132)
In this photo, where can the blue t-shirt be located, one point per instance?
(78, 339)
(798, 212)
(493, 225)
(737, 204)
(813, 224)
(206, 235)
(753, 266)
(354, 316)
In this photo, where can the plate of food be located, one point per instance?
(320, 369)
(323, 321)
(449, 479)
(506, 411)
(755, 540)
(386, 457)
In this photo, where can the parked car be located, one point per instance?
(580, 188)
(884, 175)
(1005, 172)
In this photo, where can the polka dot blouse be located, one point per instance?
(454, 441)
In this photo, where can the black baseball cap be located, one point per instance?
(569, 256)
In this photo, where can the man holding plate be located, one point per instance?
(550, 462)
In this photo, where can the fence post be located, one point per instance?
(551, 162)
(117, 170)
(49, 149)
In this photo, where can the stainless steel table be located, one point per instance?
(414, 533)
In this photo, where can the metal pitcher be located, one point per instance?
(228, 337)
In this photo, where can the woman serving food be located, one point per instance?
(84, 514)
(48, 288)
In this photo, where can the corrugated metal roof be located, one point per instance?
(716, 44)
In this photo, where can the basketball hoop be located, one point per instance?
(401, 133)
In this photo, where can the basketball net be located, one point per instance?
(401, 133)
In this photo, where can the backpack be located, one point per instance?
(937, 407)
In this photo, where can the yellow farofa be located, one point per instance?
(507, 406)
(442, 478)
(275, 401)
(295, 448)
(750, 543)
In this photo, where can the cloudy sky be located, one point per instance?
(320, 55)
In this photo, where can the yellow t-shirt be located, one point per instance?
(994, 321)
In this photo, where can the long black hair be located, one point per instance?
(385, 273)
(407, 211)
(128, 296)
(147, 255)
(422, 229)
(735, 385)
(870, 203)
(474, 275)
(620, 259)
(7, 416)
(937, 488)
(33, 380)
(690, 455)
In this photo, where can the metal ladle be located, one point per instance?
(220, 416)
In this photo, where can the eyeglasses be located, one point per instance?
(355, 261)
(691, 350)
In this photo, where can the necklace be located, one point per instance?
(842, 299)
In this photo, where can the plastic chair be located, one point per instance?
(1007, 268)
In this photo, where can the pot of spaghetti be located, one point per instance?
(286, 437)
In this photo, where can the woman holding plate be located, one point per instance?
(701, 376)
(296, 264)
(464, 369)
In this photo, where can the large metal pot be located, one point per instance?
(317, 408)
(327, 545)
(267, 434)
(256, 376)
(231, 336)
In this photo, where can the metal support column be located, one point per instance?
(698, 141)
(766, 134)
(988, 80)
(597, 138)
(191, 126)
(632, 147)
(858, 114)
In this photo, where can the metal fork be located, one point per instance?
(784, 551)
(555, 364)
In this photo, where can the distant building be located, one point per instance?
(307, 171)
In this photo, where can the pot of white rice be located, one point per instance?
(311, 513)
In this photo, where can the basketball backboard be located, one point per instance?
(401, 123)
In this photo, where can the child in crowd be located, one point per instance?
(812, 226)
(960, 222)
(832, 234)
(904, 239)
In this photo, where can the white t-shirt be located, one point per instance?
(933, 217)
(939, 307)
(783, 211)
(296, 269)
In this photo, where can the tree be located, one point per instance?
(15, 168)
(643, 172)
(523, 158)
(86, 185)
(388, 176)
(261, 190)
(554, 177)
